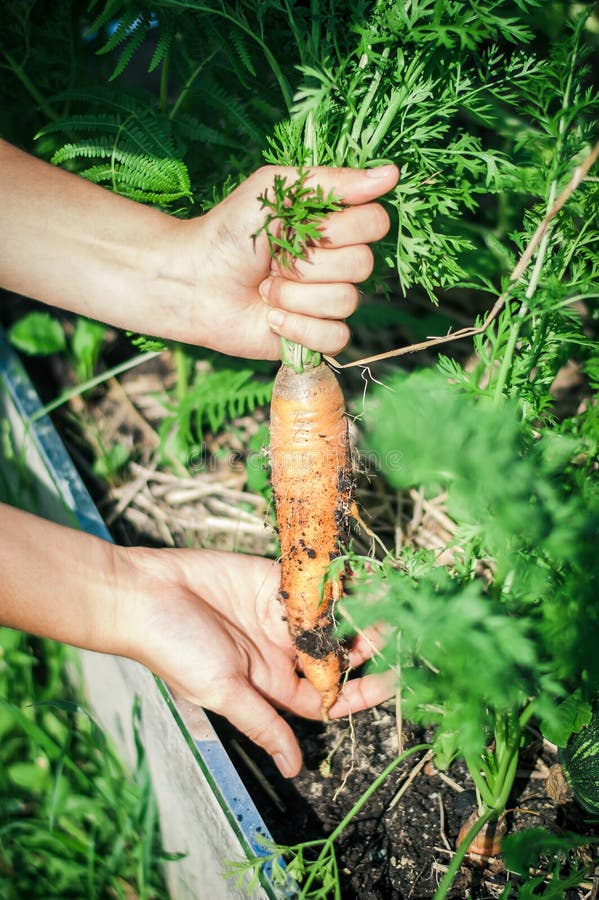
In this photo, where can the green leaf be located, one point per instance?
(522, 849)
(86, 344)
(111, 461)
(38, 334)
(29, 775)
(571, 715)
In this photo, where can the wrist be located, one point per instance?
(143, 579)
(59, 583)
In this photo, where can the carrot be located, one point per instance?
(312, 483)
(487, 843)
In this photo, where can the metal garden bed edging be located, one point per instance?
(205, 810)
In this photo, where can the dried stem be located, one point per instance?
(523, 263)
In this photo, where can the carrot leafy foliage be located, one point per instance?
(295, 216)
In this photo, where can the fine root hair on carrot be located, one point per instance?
(313, 487)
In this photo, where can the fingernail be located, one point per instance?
(275, 318)
(379, 171)
(264, 289)
(283, 765)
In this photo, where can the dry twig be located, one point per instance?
(579, 174)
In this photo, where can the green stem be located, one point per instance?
(368, 98)
(164, 81)
(378, 781)
(315, 7)
(507, 743)
(181, 373)
(384, 124)
(298, 357)
(30, 87)
(526, 714)
(495, 783)
(353, 812)
(483, 789)
(276, 69)
(188, 84)
(506, 775)
(507, 361)
(94, 382)
(458, 857)
(299, 41)
(311, 139)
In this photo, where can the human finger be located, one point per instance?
(355, 225)
(351, 263)
(365, 645)
(253, 715)
(363, 693)
(324, 335)
(354, 186)
(324, 301)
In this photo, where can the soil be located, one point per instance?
(400, 844)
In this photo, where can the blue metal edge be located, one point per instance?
(214, 762)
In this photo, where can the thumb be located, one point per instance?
(253, 715)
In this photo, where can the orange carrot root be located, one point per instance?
(487, 842)
(312, 483)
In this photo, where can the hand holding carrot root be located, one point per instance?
(310, 458)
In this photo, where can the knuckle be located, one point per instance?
(302, 330)
(265, 172)
(261, 732)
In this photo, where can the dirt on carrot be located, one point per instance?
(312, 483)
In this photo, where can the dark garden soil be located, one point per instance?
(401, 842)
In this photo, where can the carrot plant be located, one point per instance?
(361, 99)
(504, 634)
(489, 110)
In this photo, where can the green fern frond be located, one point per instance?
(231, 108)
(165, 41)
(215, 398)
(113, 9)
(128, 185)
(191, 128)
(145, 178)
(132, 28)
(136, 139)
(141, 127)
(242, 52)
(100, 147)
(83, 122)
(136, 40)
(128, 24)
(109, 98)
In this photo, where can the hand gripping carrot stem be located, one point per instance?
(312, 483)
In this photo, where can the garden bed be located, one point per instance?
(207, 816)
(401, 842)
(477, 466)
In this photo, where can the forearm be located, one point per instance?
(78, 246)
(60, 583)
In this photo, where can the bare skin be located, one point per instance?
(78, 246)
(207, 622)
